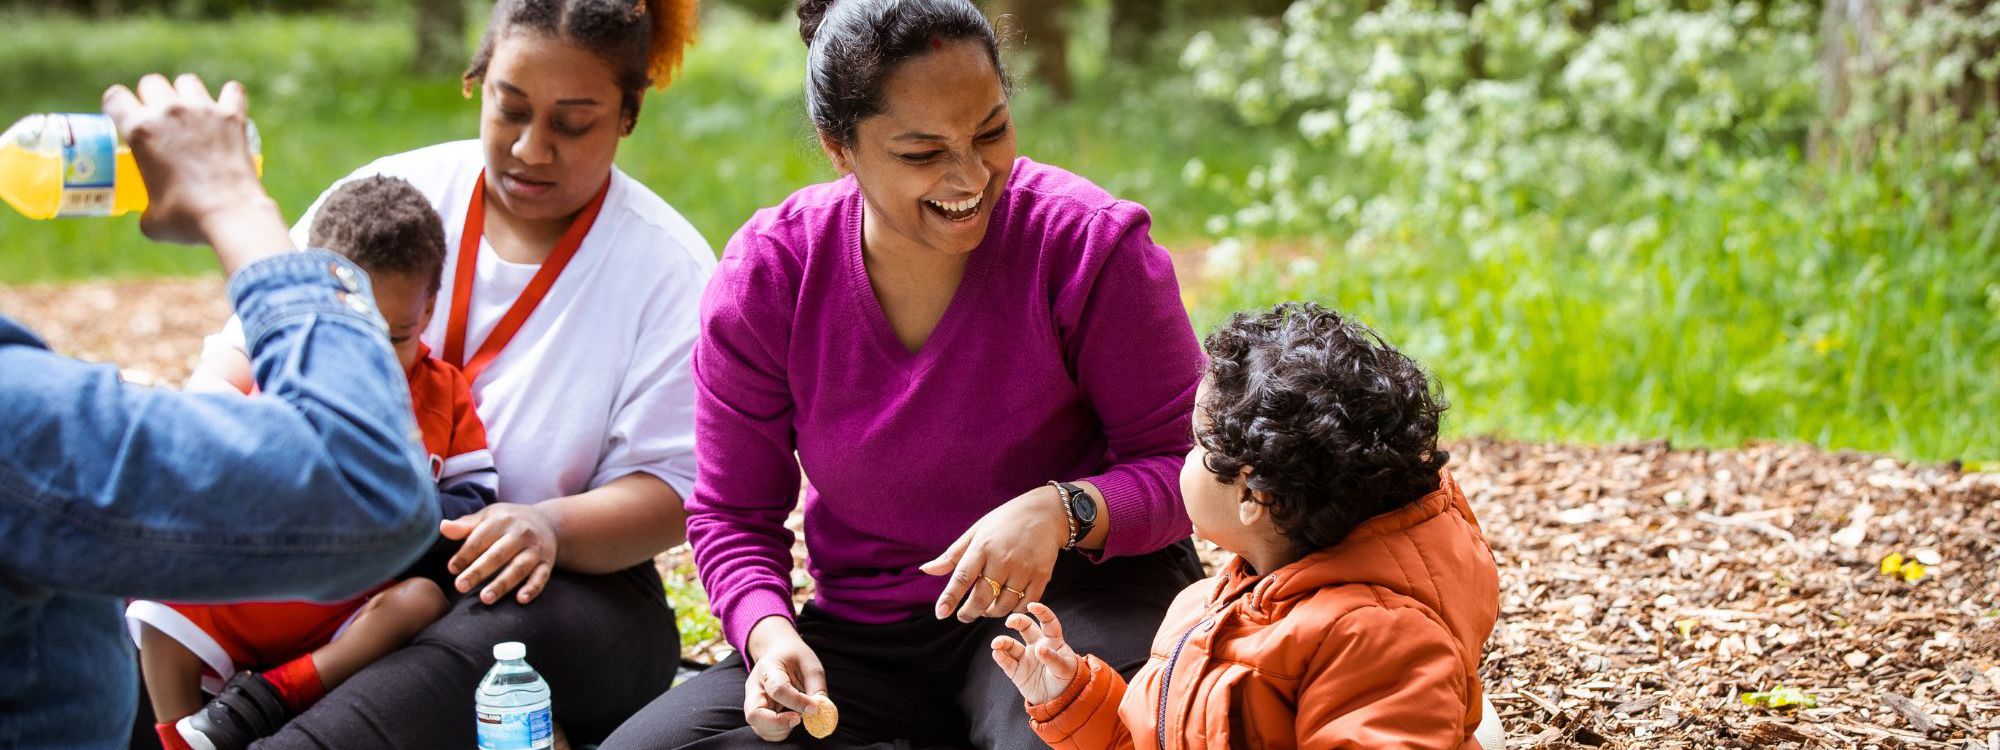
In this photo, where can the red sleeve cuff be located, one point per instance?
(1086, 712)
(1048, 710)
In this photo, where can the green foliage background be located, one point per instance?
(1595, 221)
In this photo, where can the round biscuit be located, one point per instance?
(824, 718)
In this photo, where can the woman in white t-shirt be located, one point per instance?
(571, 298)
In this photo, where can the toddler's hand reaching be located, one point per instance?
(1041, 664)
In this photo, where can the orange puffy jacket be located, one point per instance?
(1372, 643)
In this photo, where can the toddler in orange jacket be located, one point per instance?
(1362, 590)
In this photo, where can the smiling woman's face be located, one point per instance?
(933, 162)
(550, 119)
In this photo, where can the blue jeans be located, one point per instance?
(316, 490)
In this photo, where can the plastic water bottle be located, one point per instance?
(75, 165)
(514, 703)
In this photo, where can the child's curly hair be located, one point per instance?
(384, 225)
(1336, 426)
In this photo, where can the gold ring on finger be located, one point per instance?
(995, 584)
(1016, 592)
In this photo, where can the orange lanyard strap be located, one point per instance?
(531, 297)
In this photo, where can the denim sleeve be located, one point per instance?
(317, 489)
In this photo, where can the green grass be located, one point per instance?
(1785, 303)
(690, 603)
(1800, 304)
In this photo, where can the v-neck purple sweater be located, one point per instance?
(1065, 354)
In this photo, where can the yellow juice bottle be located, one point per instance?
(74, 165)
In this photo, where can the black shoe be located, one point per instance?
(247, 710)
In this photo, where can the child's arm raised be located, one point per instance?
(229, 373)
(1072, 700)
(1040, 664)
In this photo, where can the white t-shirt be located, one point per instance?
(596, 383)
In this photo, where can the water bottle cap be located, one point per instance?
(509, 651)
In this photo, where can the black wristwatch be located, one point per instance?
(1082, 512)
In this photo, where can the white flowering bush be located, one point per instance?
(1503, 109)
(1679, 220)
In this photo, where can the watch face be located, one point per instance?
(1084, 508)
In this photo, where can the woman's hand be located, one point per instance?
(1041, 664)
(1005, 559)
(507, 545)
(785, 674)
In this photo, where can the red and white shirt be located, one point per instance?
(449, 423)
(261, 635)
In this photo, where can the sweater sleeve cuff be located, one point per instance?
(1137, 524)
(1092, 698)
(749, 609)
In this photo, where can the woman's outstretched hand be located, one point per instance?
(1041, 664)
(1004, 560)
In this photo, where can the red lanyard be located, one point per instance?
(531, 297)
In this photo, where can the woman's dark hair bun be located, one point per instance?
(852, 46)
(811, 12)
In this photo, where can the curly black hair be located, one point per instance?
(1335, 426)
(384, 225)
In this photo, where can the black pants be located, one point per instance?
(607, 644)
(926, 683)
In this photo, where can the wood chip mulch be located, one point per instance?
(1645, 590)
(151, 329)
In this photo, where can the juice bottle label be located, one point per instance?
(516, 729)
(90, 152)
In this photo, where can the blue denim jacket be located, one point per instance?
(108, 490)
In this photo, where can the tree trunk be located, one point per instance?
(1041, 36)
(1973, 94)
(1214, 9)
(1135, 24)
(1849, 49)
(1475, 51)
(440, 37)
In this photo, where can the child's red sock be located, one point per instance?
(170, 738)
(298, 684)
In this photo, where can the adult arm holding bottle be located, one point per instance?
(109, 490)
(154, 485)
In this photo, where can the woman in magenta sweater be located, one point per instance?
(983, 367)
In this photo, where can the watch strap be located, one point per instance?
(1079, 528)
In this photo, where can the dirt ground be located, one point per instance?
(1646, 590)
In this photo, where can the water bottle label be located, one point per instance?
(90, 166)
(516, 730)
